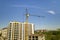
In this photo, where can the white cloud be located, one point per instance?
(51, 12)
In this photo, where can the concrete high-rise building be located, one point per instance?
(28, 30)
(20, 31)
(15, 31)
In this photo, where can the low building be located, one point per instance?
(36, 37)
(3, 34)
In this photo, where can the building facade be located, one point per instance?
(19, 31)
(3, 34)
(15, 31)
(36, 37)
(28, 30)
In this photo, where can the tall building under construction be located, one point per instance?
(28, 30)
(20, 31)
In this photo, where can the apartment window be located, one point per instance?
(10, 30)
(29, 36)
(33, 36)
(36, 37)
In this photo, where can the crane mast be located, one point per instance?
(27, 15)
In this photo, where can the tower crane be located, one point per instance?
(26, 25)
(27, 15)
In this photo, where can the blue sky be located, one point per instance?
(14, 10)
